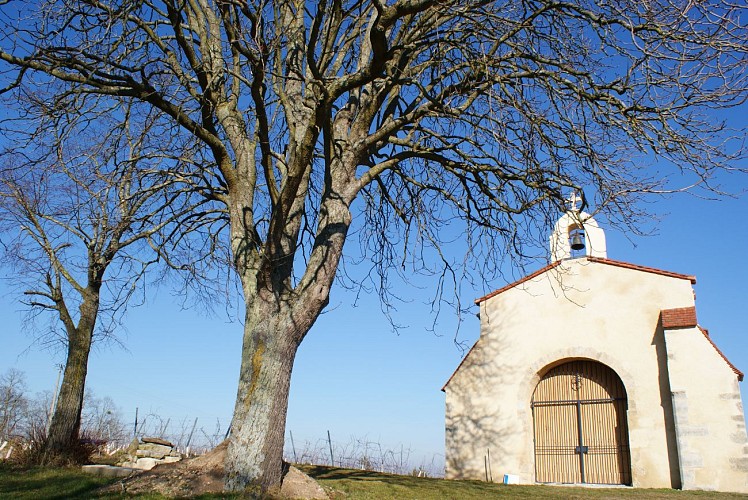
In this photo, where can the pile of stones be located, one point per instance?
(149, 452)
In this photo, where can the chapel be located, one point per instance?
(596, 371)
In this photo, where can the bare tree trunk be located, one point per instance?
(277, 319)
(62, 438)
(255, 453)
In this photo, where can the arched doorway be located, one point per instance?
(580, 428)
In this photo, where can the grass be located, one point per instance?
(40, 483)
(366, 485)
(346, 484)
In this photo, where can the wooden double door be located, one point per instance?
(580, 427)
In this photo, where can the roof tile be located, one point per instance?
(599, 260)
(705, 332)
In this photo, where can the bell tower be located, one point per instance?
(577, 234)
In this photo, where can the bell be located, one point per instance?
(577, 241)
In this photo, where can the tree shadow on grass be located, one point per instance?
(50, 484)
(434, 487)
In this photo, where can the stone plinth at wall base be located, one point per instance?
(589, 485)
(109, 470)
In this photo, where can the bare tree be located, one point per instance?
(84, 201)
(25, 417)
(13, 403)
(400, 117)
(101, 420)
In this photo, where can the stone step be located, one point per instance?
(109, 470)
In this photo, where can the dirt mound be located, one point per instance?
(296, 484)
(193, 476)
(211, 461)
(204, 474)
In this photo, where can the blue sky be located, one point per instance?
(353, 376)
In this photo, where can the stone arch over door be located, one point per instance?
(580, 427)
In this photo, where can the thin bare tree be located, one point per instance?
(418, 122)
(84, 203)
(13, 403)
(101, 420)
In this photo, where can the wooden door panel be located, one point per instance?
(555, 442)
(580, 430)
(601, 430)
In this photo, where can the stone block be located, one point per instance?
(146, 463)
(156, 440)
(154, 450)
(132, 448)
(108, 470)
(693, 430)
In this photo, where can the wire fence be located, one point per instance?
(25, 420)
(362, 453)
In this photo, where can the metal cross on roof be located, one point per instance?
(574, 202)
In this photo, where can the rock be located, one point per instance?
(146, 463)
(156, 440)
(153, 450)
(133, 447)
(150, 452)
(109, 470)
(204, 475)
(296, 484)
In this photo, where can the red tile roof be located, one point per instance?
(519, 282)
(671, 318)
(599, 260)
(704, 331)
(734, 368)
(459, 366)
(681, 317)
(646, 269)
(685, 317)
